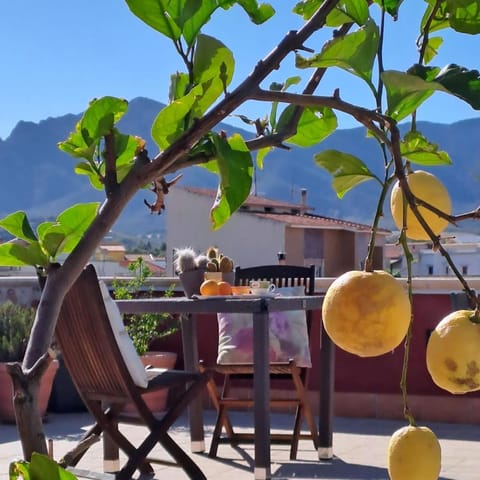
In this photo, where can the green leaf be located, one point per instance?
(349, 11)
(347, 170)
(431, 49)
(179, 84)
(70, 226)
(13, 254)
(125, 148)
(170, 121)
(315, 125)
(280, 87)
(354, 53)
(390, 6)
(18, 225)
(464, 15)
(307, 8)
(261, 154)
(461, 82)
(258, 13)
(235, 167)
(417, 149)
(157, 14)
(84, 168)
(100, 117)
(97, 121)
(407, 91)
(213, 67)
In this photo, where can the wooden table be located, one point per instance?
(259, 307)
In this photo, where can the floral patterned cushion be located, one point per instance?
(288, 335)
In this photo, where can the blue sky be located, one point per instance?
(58, 55)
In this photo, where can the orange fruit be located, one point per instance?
(224, 288)
(366, 313)
(209, 287)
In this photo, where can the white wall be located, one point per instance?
(245, 238)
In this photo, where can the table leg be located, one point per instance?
(190, 358)
(327, 377)
(261, 391)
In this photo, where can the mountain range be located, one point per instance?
(38, 178)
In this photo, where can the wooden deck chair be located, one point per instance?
(289, 280)
(105, 379)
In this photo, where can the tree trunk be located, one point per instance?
(26, 379)
(26, 385)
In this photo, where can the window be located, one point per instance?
(430, 269)
(464, 270)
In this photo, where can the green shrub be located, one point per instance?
(145, 327)
(15, 324)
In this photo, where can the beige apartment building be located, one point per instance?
(263, 228)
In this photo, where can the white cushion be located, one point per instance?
(129, 354)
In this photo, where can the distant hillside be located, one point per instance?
(38, 177)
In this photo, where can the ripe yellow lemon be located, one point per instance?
(208, 288)
(427, 187)
(414, 453)
(453, 353)
(366, 313)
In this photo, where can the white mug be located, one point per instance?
(261, 287)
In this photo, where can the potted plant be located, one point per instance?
(15, 324)
(146, 327)
(193, 269)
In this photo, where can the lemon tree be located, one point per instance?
(414, 453)
(366, 313)
(205, 90)
(428, 188)
(453, 352)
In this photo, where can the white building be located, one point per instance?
(262, 228)
(464, 250)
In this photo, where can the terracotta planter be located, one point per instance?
(156, 401)
(7, 412)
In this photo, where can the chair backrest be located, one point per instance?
(280, 275)
(88, 345)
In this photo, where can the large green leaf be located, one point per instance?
(171, 121)
(235, 167)
(461, 15)
(14, 254)
(407, 91)
(174, 18)
(63, 235)
(98, 120)
(354, 53)
(347, 170)
(100, 117)
(18, 225)
(417, 149)
(315, 125)
(213, 67)
(158, 15)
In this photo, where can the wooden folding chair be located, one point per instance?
(281, 276)
(102, 378)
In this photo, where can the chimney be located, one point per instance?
(303, 193)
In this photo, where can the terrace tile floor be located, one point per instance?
(359, 449)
